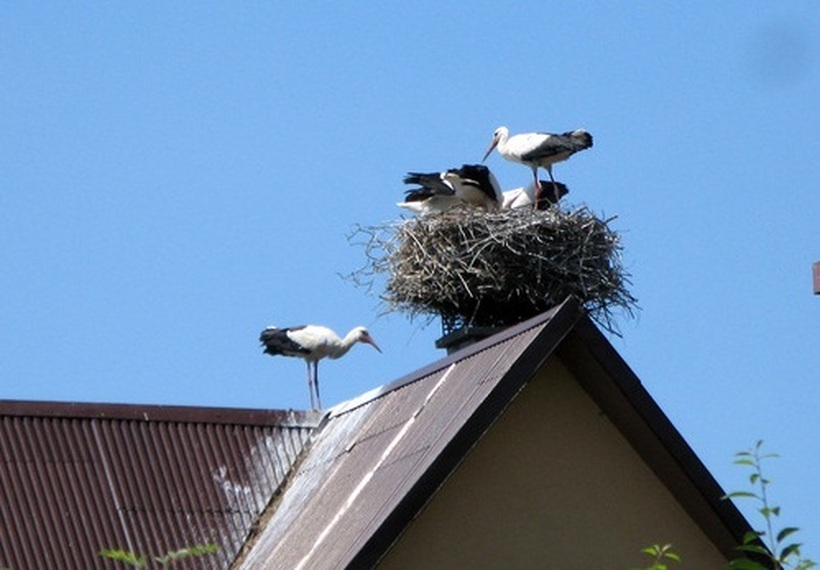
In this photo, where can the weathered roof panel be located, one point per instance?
(368, 457)
(79, 478)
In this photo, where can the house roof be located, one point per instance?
(377, 459)
(79, 478)
(292, 489)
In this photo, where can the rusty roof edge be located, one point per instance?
(558, 322)
(162, 413)
(569, 304)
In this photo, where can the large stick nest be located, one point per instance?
(496, 269)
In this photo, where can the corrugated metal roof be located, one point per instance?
(367, 459)
(79, 478)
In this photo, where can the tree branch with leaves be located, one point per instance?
(772, 545)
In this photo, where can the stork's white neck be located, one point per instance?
(345, 345)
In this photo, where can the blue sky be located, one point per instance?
(175, 177)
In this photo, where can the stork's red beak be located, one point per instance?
(369, 340)
(489, 150)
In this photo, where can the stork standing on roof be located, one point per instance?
(539, 149)
(472, 184)
(312, 343)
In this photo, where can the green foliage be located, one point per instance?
(198, 550)
(661, 556)
(124, 556)
(141, 561)
(778, 552)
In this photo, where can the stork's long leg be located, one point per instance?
(554, 185)
(537, 187)
(310, 385)
(316, 383)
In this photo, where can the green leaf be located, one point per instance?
(746, 564)
(768, 512)
(789, 550)
(672, 556)
(124, 556)
(752, 536)
(201, 549)
(738, 494)
(786, 532)
(752, 548)
(197, 550)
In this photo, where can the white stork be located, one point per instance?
(539, 149)
(435, 193)
(473, 184)
(312, 343)
(525, 196)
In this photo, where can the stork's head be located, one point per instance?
(364, 336)
(501, 133)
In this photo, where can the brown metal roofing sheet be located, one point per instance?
(367, 457)
(75, 479)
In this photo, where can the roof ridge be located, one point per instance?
(570, 304)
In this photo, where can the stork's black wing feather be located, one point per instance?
(548, 194)
(430, 182)
(472, 171)
(276, 341)
(419, 195)
(569, 142)
(476, 175)
(555, 146)
(580, 138)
